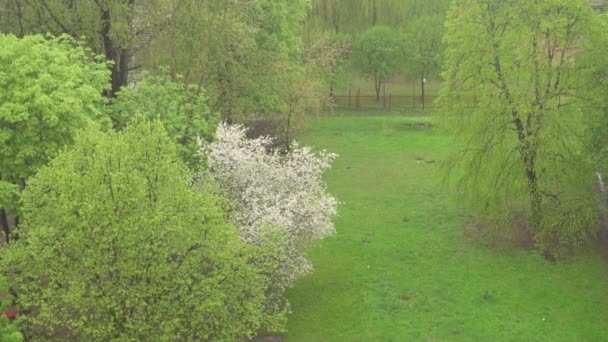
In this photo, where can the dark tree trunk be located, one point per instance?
(19, 7)
(535, 196)
(527, 153)
(374, 13)
(108, 48)
(119, 55)
(5, 226)
(378, 86)
(422, 84)
(288, 131)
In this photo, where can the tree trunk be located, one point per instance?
(374, 13)
(527, 153)
(120, 56)
(19, 5)
(108, 48)
(422, 84)
(378, 86)
(288, 131)
(5, 227)
(535, 198)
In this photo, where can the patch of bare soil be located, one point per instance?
(514, 235)
(602, 238)
(268, 338)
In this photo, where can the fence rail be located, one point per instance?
(388, 102)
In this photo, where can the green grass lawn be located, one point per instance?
(401, 269)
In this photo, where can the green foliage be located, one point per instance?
(329, 57)
(594, 91)
(242, 49)
(118, 29)
(49, 88)
(355, 17)
(182, 108)
(379, 54)
(511, 100)
(117, 247)
(8, 330)
(424, 35)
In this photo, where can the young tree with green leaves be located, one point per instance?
(424, 35)
(51, 87)
(117, 246)
(181, 107)
(329, 57)
(511, 99)
(379, 54)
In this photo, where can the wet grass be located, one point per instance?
(400, 267)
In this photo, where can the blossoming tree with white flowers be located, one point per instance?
(278, 191)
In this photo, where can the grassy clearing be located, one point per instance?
(401, 269)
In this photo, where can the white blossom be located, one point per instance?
(269, 188)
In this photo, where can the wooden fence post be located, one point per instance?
(414, 97)
(390, 101)
(384, 96)
(349, 93)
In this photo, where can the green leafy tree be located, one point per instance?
(511, 98)
(355, 17)
(182, 109)
(329, 57)
(241, 49)
(116, 246)
(379, 54)
(118, 29)
(49, 88)
(425, 35)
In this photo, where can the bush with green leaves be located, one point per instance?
(116, 245)
(181, 107)
(49, 88)
(8, 330)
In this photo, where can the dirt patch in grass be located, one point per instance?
(410, 125)
(497, 238)
(267, 338)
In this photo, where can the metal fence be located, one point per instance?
(388, 102)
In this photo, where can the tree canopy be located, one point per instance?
(181, 107)
(116, 246)
(51, 87)
(378, 54)
(511, 97)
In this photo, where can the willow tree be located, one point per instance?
(511, 98)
